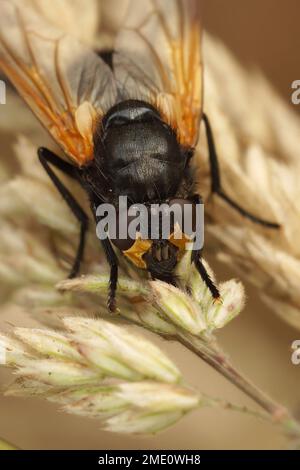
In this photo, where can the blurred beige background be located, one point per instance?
(263, 33)
(260, 32)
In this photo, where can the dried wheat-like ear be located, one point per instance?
(257, 139)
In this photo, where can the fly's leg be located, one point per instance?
(113, 278)
(196, 259)
(48, 158)
(216, 186)
(111, 258)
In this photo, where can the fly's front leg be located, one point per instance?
(216, 186)
(196, 259)
(48, 158)
(110, 256)
(113, 278)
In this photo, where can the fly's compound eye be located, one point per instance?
(121, 235)
(129, 223)
(185, 215)
(123, 244)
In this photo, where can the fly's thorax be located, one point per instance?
(140, 152)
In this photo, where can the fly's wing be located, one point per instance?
(66, 85)
(158, 59)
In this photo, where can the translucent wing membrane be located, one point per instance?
(158, 59)
(70, 88)
(65, 84)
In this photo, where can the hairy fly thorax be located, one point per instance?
(139, 153)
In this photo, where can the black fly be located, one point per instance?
(128, 128)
